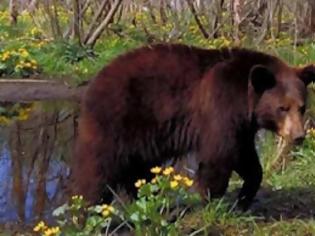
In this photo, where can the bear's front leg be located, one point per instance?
(250, 170)
(213, 179)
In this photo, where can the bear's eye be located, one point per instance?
(302, 109)
(284, 109)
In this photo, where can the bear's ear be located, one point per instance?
(307, 74)
(261, 78)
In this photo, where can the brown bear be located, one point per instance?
(163, 101)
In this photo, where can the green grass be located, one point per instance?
(285, 206)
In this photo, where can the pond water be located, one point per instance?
(34, 161)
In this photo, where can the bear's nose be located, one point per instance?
(299, 139)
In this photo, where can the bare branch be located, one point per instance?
(194, 12)
(99, 30)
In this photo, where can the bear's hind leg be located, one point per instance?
(93, 172)
(213, 179)
(137, 168)
(93, 165)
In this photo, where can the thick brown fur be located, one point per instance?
(163, 101)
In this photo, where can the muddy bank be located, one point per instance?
(17, 90)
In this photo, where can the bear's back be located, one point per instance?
(152, 82)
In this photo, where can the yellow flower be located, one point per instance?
(6, 55)
(311, 132)
(24, 53)
(168, 171)
(34, 62)
(52, 231)
(75, 197)
(140, 182)
(111, 209)
(174, 184)
(4, 120)
(23, 116)
(35, 31)
(178, 177)
(156, 170)
(154, 180)
(27, 64)
(40, 226)
(107, 210)
(40, 44)
(105, 213)
(104, 206)
(188, 182)
(18, 66)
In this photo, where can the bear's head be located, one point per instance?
(280, 94)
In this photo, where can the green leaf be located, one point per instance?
(3, 66)
(97, 208)
(3, 110)
(135, 217)
(60, 210)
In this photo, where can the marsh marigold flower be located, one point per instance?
(75, 197)
(107, 210)
(178, 177)
(5, 56)
(23, 52)
(52, 231)
(140, 182)
(105, 213)
(40, 226)
(168, 171)
(27, 64)
(154, 180)
(311, 132)
(188, 182)
(174, 184)
(156, 170)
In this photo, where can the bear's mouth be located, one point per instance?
(298, 141)
(291, 141)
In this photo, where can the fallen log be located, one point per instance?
(18, 90)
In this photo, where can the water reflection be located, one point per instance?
(33, 162)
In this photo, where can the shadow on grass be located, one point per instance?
(289, 203)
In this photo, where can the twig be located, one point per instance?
(194, 12)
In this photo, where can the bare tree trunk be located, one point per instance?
(56, 19)
(32, 6)
(94, 21)
(236, 10)
(279, 17)
(151, 12)
(312, 18)
(52, 13)
(266, 23)
(13, 11)
(162, 11)
(76, 20)
(218, 17)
